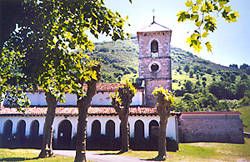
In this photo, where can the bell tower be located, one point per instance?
(154, 58)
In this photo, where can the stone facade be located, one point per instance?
(150, 84)
(161, 59)
(211, 127)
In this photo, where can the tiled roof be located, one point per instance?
(73, 111)
(104, 87)
(154, 27)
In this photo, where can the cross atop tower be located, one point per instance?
(153, 15)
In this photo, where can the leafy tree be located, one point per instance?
(202, 14)
(233, 66)
(91, 75)
(204, 84)
(196, 68)
(244, 77)
(186, 68)
(189, 86)
(188, 97)
(241, 88)
(208, 100)
(209, 71)
(178, 69)
(164, 101)
(244, 66)
(191, 74)
(121, 100)
(56, 33)
(12, 86)
(232, 78)
(222, 90)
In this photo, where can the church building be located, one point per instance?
(103, 127)
(154, 71)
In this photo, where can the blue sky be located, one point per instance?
(231, 41)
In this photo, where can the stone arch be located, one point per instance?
(153, 129)
(139, 131)
(154, 46)
(96, 129)
(20, 133)
(110, 129)
(7, 133)
(34, 129)
(64, 134)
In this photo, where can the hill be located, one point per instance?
(121, 58)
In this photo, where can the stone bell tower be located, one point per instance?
(154, 59)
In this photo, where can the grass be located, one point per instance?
(29, 155)
(199, 152)
(245, 117)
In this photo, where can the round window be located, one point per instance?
(154, 67)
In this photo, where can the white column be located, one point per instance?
(2, 122)
(41, 125)
(103, 124)
(89, 123)
(117, 128)
(27, 129)
(14, 127)
(146, 129)
(131, 128)
(74, 126)
(55, 126)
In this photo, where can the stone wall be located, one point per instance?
(151, 84)
(211, 127)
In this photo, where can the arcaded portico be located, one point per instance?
(143, 124)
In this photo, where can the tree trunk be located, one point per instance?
(81, 132)
(162, 138)
(83, 105)
(47, 150)
(124, 133)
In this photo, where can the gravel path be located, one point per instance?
(97, 157)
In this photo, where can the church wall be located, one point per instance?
(211, 127)
(171, 127)
(151, 84)
(101, 98)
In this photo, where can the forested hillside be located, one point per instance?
(198, 84)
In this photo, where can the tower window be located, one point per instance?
(154, 46)
(155, 67)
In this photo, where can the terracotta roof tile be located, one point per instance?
(73, 111)
(104, 87)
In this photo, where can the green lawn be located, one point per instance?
(245, 116)
(200, 152)
(188, 152)
(29, 155)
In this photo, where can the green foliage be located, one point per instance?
(123, 95)
(229, 90)
(163, 96)
(186, 68)
(196, 102)
(189, 86)
(204, 14)
(245, 117)
(12, 86)
(54, 43)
